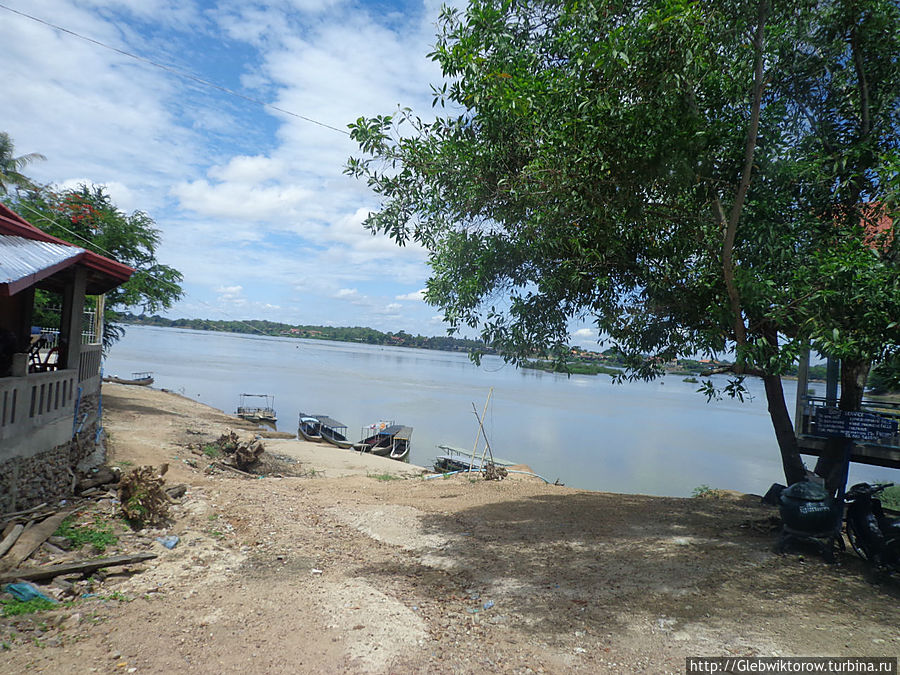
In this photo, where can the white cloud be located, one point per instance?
(229, 292)
(252, 203)
(415, 295)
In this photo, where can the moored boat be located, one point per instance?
(263, 413)
(401, 443)
(333, 431)
(309, 428)
(457, 459)
(143, 379)
(390, 440)
(373, 438)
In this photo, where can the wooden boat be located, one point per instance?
(333, 431)
(391, 440)
(400, 443)
(264, 413)
(143, 379)
(309, 428)
(373, 438)
(457, 459)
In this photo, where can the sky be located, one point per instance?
(252, 202)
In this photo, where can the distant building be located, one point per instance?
(49, 383)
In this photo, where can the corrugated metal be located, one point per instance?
(21, 258)
(111, 273)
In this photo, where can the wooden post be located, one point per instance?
(98, 319)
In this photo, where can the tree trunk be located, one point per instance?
(853, 382)
(854, 373)
(794, 469)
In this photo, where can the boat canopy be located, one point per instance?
(398, 431)
(326, 421)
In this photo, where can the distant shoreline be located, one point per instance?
(588, 363)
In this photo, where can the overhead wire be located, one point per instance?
(180, 73)
(160, 280)
(175, 71)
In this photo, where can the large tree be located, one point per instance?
(693, 177)
(87, 217)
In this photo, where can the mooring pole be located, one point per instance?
(480, 426)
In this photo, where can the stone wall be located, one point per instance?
(50, 475)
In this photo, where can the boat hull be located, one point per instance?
(312, 438)
(336, 439)
(142, 382)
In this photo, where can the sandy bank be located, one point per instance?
(346, 570)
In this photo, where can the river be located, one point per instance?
(659, 438)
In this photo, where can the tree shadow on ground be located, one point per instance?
(558, 563)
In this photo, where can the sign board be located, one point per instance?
(863, 426)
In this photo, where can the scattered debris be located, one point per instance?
(176, 492)
(101, 476)
(247, 455)
(142, 497)
(31, 539)
(169, 541)
(23, 591)
(494, 472)
(11, 538)
(243, 455)
(80, 567)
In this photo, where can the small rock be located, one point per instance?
(71, 621)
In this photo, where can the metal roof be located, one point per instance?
(400, 432)
(104, 274)
(25, 262)
(328, 422)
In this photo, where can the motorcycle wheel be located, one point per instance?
(855, 541)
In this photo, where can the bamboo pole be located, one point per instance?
(480, 427)
(487, 443)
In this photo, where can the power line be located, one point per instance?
(175, 71)
(159, 280)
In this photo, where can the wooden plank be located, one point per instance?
(26, 511)
(30, 540)
(83, 567)
(228, 467)
(10, 539)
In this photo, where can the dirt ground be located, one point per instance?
(359, 565)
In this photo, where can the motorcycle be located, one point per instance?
(874, 536)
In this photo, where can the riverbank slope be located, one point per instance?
(357, 564)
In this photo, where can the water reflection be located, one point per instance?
(652, 438)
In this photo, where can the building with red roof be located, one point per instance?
(49, 385)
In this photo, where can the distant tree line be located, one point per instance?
(883, 379)
(336, 333)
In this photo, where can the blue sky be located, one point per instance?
(252, 203)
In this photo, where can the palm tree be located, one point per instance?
(10, 165)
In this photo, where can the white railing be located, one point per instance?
(89, 367)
